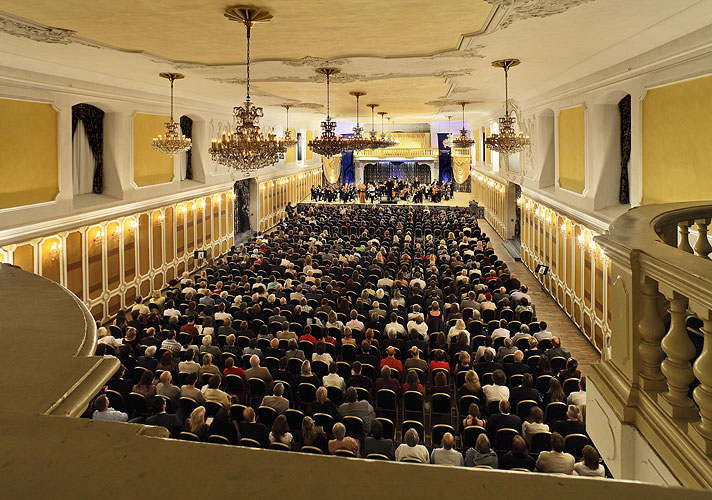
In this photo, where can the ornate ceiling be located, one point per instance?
(416, 58)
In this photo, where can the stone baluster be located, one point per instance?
(702, 245)
(676, 367)
(652, 330)
(684, 243)
(702, 369)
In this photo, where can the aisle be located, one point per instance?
(546, 308)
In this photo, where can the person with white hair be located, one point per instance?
(257, 371)
(104, 337)
(208, 347)
(341, 441)
(411, 448)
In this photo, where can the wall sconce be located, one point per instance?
(182, 209)
(563, 227)
(97, 237)
(117, 232)
(159, 218)
(54, 251)
(202, 204)
(581, 239)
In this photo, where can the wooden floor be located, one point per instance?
(546, 307)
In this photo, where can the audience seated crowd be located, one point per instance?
(346, 327)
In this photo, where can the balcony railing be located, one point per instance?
(398, 153)
(661, 354)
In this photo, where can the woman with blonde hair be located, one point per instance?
(196, 423)
(460, 326)
(471, 386)
(307, 377)
(208, 367)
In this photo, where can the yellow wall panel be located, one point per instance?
(129, 250)
(291, 155)
(113, 259)
(28, 153)
(310, 136)
(488, 151)
(676, 142)
(75, 280)
(143, 255)
(150, 167)
(572, 149)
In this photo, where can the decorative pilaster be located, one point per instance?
(651, 329)
(676, 367)
(684, 231)
(702, 245)
(702, 368)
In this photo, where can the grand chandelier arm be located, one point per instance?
(248, 24)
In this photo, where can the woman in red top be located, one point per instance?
(412, 382)
(231, 369)
(440, 361)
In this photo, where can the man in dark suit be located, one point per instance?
(273, 351)
(488, 365)
(517, 367)
(162, 419)
(365, 357)
(524, 392)
(357, 379)
(277, 317)
(137, 322)
(557, 350)
(150, 338)
(503, 420)
(252, 429)
(512, 283)
(571, 425)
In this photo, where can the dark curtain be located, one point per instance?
(624, 108)
(348, 174)
(186, 128)
(93, 119)
(444, 159)
(242, 206)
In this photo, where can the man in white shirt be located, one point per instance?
(170, 309)
(417, 279)
(189, 366)
(221, 314)
(104, 337)
(502, 331)
(103, 412)
(385, 281)
(516, 297)
(333, 378)
(355, 323)
(416, 312)
(394, 325)
(188, 289)
(447, 455)
(172, 344)
(139, 305)
(419, 326)
(578, 398)
(498, 391)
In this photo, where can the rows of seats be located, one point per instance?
(335, 288)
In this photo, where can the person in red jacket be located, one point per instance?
(391, 361)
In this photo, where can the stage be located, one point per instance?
(458, 200)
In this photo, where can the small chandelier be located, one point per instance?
(288, 141)
(173, 142)
(392, 139)
(508, 141)
(328, 144)
(448, 140)
(358, 142)
(376, 143)
(386, 140)
(463, 141)
(246, 149)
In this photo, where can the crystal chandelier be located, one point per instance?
(463, 141)
(386, 140)
(448, 141)
(358, 142)
(508, 141)
(288, 141)
(246, 149)
(328, 144)
(173, 142)
(376, 143)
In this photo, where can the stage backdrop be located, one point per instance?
(444, 159)
(332, 168)
(407, 170)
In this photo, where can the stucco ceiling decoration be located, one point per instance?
(519, 10)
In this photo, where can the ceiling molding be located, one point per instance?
(520, 10)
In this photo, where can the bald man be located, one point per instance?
(447, 454)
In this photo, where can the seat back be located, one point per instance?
(438, 431)
(389, 428)
(335, 395)
(354, 426)
(570, 385)
(515, 380)
(343, 369)
(441, 404)
(211, 408)
(503, 439)
(250, 443)
(386, 400)
(469, 436)
(295, 366)
(138, 403)
(541, 441)
(325, 421)
(542, 383)
(555, 411)
(345, 453)
(266, 415)
(414, 424)
(558, 363)
(188, 436)
(258, 388)
(278, 445)
(218, 439)
(574, 444)
(524, 407)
